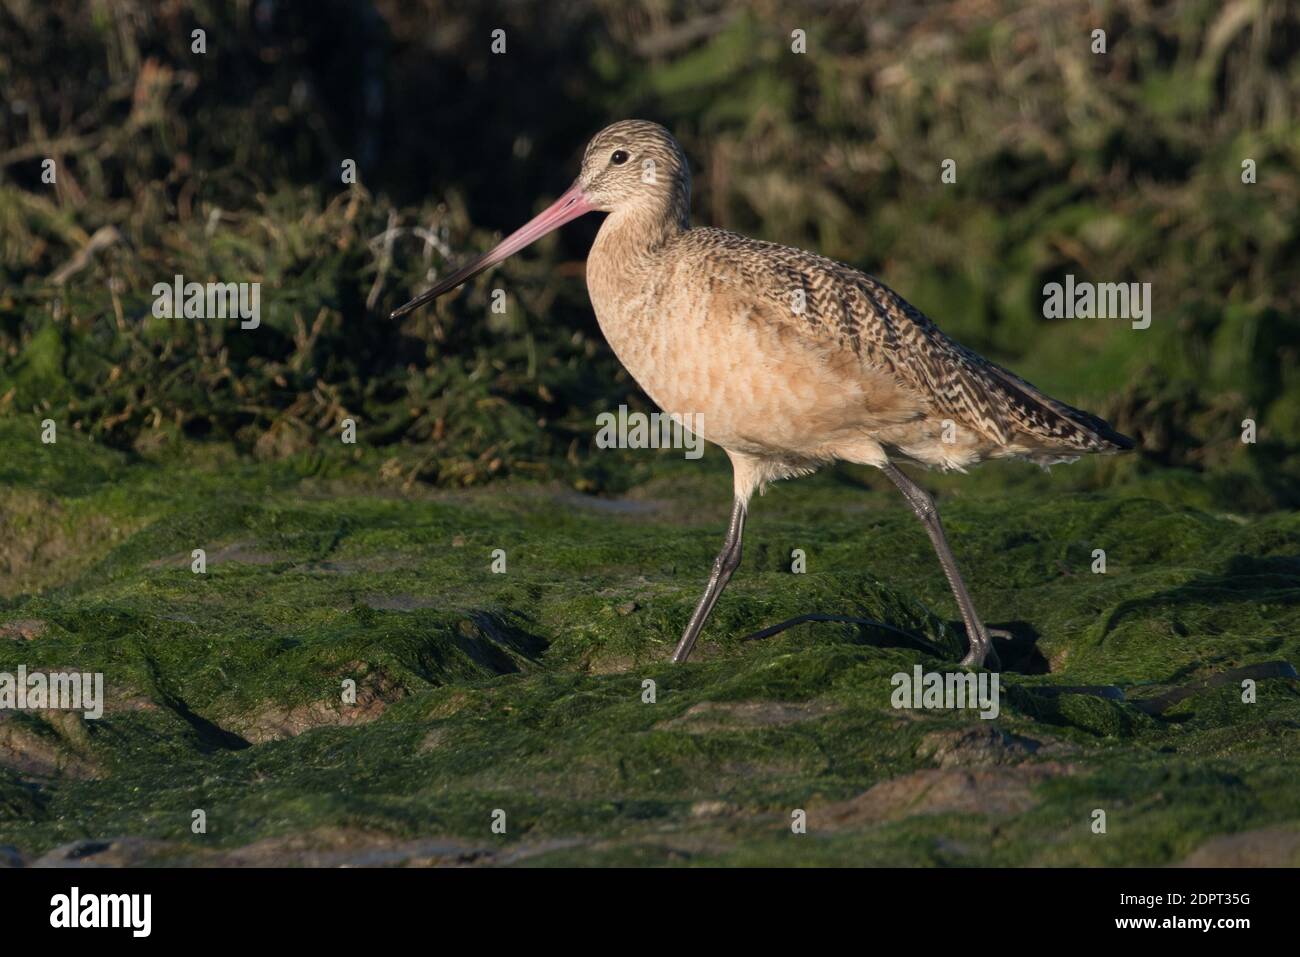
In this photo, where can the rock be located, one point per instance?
(709, 716)
(319, 847)
(274, 722)
(1267, 847)
(1003, 791)
(432, 741)
(110, 852)
(23, 629)
(982, 745)
(27, 748)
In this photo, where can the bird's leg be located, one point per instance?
(981, 648)
(727, 561)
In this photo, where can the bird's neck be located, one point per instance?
(646, 227)
(628, 255)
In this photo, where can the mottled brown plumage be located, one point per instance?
(866, 377)
(788, 359)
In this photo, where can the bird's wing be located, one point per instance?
(835, 304)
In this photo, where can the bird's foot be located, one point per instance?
(982, 654)
(988, 660)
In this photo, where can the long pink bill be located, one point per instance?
(568, 207)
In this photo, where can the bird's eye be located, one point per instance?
(619, 157)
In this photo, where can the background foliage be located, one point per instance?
(225, 166)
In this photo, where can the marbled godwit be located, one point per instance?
(794, 360)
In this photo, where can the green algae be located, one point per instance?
(524, 691)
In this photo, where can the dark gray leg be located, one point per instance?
(727, 561)
(981, 648)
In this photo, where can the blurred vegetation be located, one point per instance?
(225, 166)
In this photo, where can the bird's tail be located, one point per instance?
(1057, 425)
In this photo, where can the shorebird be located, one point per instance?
(793, 360)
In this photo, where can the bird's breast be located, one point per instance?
(705, 351)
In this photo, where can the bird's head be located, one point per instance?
(632, 165)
